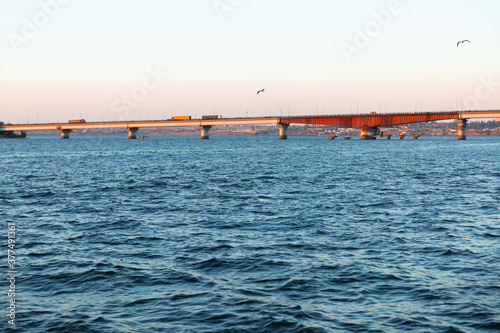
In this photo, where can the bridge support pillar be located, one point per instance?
(283, 128)
(462, 126)
(64, 133)
(204, 132)
(132, 131)
(388, 136)
(368, 133)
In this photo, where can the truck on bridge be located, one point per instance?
(211, 117)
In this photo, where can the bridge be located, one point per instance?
(369, 125)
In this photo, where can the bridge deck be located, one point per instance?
(367, 120)
(142, 124)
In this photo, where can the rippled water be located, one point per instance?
(253, 234)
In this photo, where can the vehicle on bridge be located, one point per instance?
(211, 117)
(76, 121)
(181, 118)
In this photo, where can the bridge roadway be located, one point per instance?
(368, 124)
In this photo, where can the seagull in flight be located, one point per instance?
(463, 41)
(262, 90)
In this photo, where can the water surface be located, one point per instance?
(253, 234)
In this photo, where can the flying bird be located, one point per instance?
(262, 90)
(463, 41)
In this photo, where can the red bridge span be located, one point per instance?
(372, 120)
(370, 124)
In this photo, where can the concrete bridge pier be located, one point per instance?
(368, 133)
(204, 132)
(132, 131)
(462, 126)
(388, 136)
(283, 128)
(64, 133)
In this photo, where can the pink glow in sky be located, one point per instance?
(97, 60)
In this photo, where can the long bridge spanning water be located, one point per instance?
(369, 125)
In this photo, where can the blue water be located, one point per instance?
(252, 234)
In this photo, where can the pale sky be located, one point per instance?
(153, 59)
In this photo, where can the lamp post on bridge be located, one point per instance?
(416, 105)
(380, 105)
(357, 107)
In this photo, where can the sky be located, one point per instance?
(154, 59)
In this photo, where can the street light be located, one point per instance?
(416, 105)
(380, 105)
